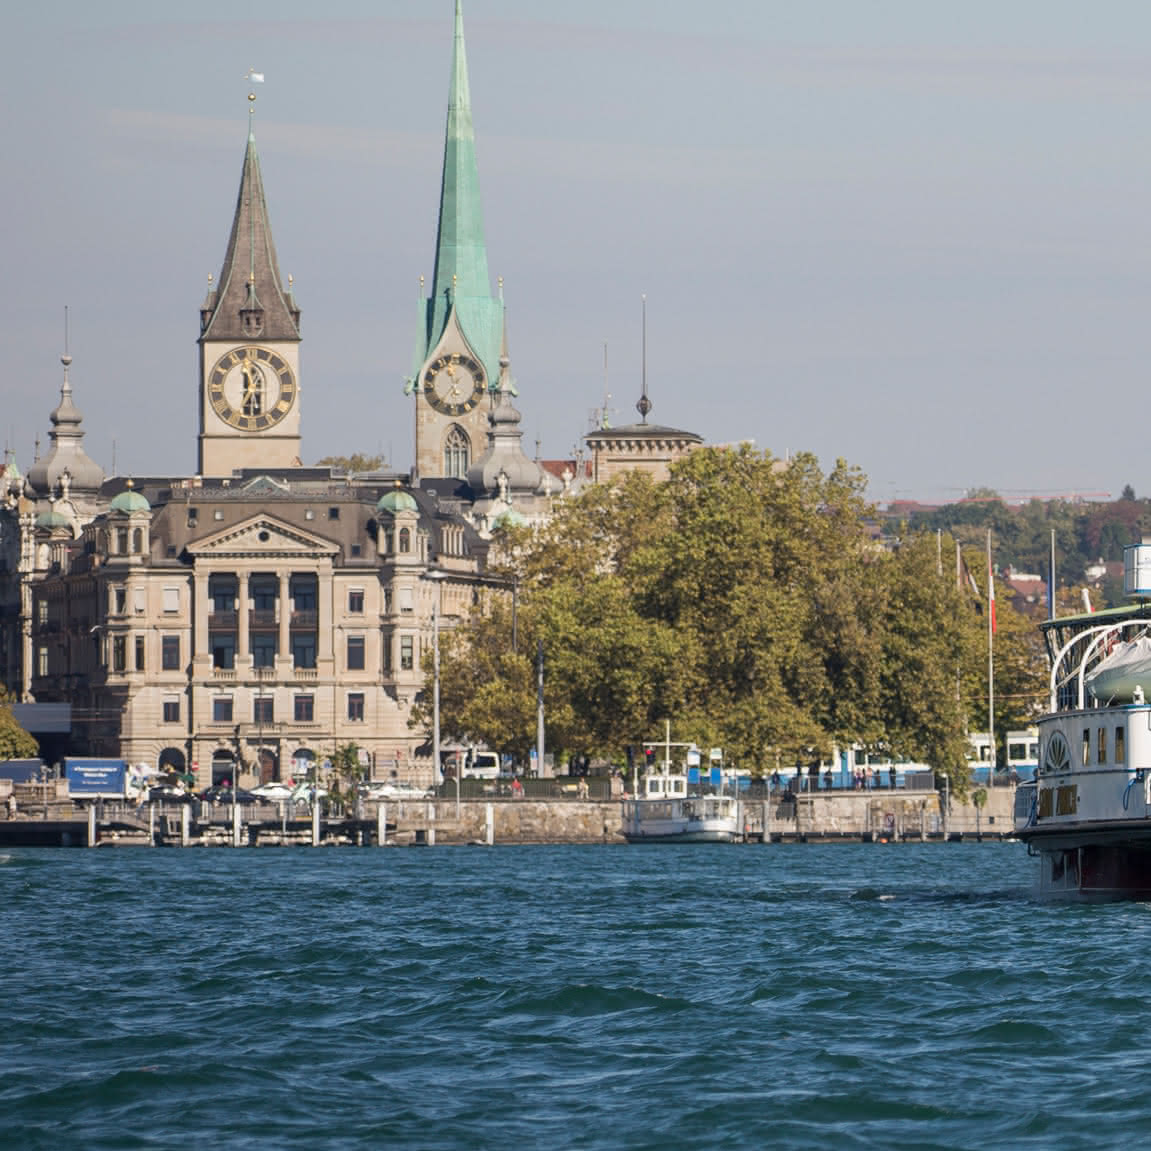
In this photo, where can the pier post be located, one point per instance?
(235, 824)
(185, 824)
(489, 825)
(315, 821)
(767, 821)
(381, 825)
(91, 825)
(151, 825)
(432, 823)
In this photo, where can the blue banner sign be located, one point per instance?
(93, 778)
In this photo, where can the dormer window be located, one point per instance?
(252, 320)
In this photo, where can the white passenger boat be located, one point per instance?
(1087, 814)
(664, 812)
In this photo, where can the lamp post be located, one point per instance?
(437, 577)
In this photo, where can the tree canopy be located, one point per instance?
(15, 742)
(746, 600)
(356, 462)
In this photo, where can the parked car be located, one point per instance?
(392, 789)
(225, 795)
(166, 793)
(273, 792)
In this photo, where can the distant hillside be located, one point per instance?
(1089, 537)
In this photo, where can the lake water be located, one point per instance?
(595, 997)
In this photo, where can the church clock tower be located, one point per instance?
(461, 322)
(249, 347)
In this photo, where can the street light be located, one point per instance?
(437, 577)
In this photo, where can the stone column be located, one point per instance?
(284, 603)
(201, 649)
(243, 619)
(325, 592)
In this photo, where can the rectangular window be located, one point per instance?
(407, 655)
(222, 709)
(387, 650)
(119, 653)
(170, 652)
(139, 653)
(1120, 745)
(1101, 743)
(171, 599)
(303, 592)
(223, 651)
(139, 600)
(357, 550)
(263, 709)
(264, 592)
(355, 653)
(42, 612)
(172, 709)
(42, 661)
(223, 593)
(1086, 746)
(356, 705)
(263, 651)
(305, 709)
(304, 651)
(406, 599)
(355, 600)
(119, 600)
(333, 513)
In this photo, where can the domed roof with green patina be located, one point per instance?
(509, 518)
(53, 519)
(397, 500)
(130, 501)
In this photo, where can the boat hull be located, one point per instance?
(683, 835)
(1095, 871)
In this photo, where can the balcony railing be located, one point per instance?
(305, 619)
(258, 619)
(222, 620)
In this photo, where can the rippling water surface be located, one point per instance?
(599, 997)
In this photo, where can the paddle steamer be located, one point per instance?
(1087, 814)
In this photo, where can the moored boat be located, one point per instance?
(664, 812)
(1087, 814)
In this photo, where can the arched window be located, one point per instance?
(137, 540)
(122, 541)
(405, 540)
(457, 453)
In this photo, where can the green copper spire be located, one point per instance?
(461, 276)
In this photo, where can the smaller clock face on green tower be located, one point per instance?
(251, 388)
(453, 384)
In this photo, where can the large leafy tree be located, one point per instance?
(746, 601)
(15, 742)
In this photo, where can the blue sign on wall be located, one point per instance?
(95, 777)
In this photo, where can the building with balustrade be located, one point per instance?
(246, 621)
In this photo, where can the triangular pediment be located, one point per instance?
(262, 535)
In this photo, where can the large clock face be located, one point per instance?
(453, 384)
(251, 388)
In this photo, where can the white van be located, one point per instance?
(482, 765)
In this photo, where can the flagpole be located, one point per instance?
(1051, 580)
(990, 662)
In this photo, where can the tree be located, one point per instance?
(357, 462)
(746, 601)
(15, 742)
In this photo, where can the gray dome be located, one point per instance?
(66, 455)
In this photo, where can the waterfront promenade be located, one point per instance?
(827, 816)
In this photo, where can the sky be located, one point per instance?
(910, 235)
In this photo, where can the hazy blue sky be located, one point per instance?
(912, 233)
